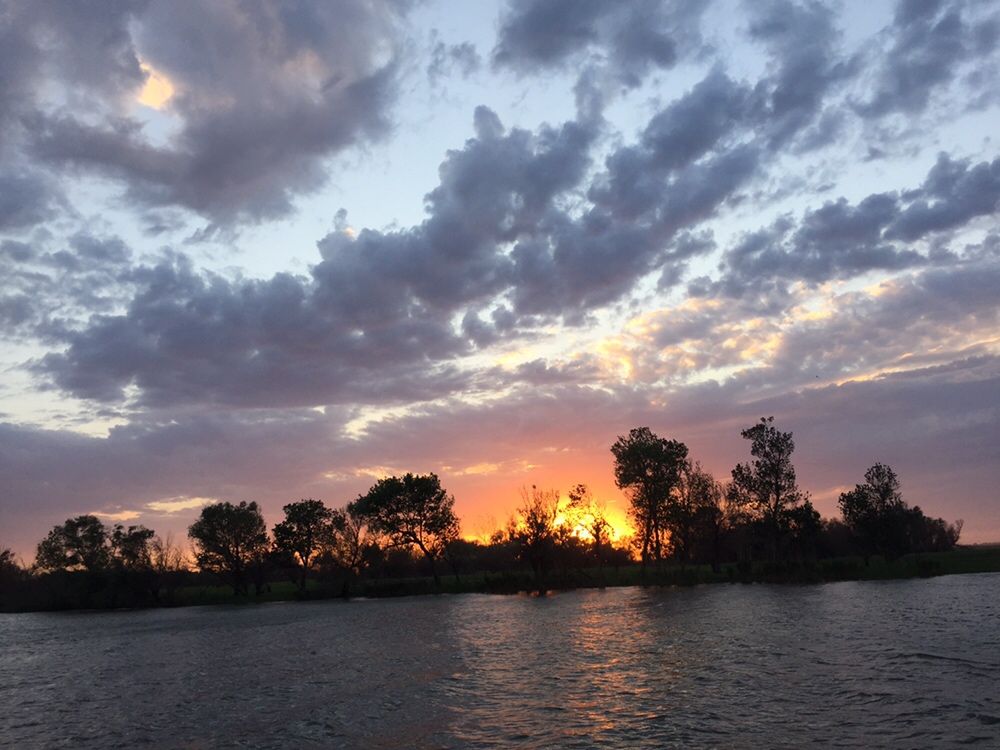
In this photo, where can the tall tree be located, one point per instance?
(131, 548)
(766, 486)
(10, 571)
(876, 513)
(7, 559)
(533, 528)
(351, 539)
(412, 511)
(168, 565)
(79, 543)
(306, 531)
(648, 469)
(695, 512)
(590, 514)
(229, 540)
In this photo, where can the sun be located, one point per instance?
(157, 90)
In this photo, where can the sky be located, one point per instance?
(267, 251)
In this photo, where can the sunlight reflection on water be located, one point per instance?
(900, 663)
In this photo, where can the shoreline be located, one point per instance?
(965, 560)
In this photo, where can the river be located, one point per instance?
(911, 663)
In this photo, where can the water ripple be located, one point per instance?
(887, 664)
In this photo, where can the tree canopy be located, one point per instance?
(766, 486)
(648, 469)
(229, 539)
(411, 511)
(307, 530)
(79, 543)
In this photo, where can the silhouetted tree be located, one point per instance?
(924, 534)
(132, 564)
(590, 514)
(412, 511)
(80, 543)
(131, 548)
(837, 539)
(805, 526)
(10, 574)
(694, 511)
(167, 560)
(8, 562)
(305, 532)
(766, 486)
(647, 469)
(230, 540)
(351, 539)
(166, 556)
(533, 528)
(875, 511)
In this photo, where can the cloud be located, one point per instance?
(50, 283)
(262, 96)
(936, 423)
(389, 316)
(807, 65)
(929, 43)
(178, 504)
(154, 465)
(117, 516)
(27, 198)
(923, 319)
(372, 321)
(636, 38)
(954, 193)
(840, 240)
(191, 338)
(446, 58)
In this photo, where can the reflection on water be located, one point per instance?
(900, 663)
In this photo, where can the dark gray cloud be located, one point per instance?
(386, 315)
(930, 41)
(697, 153)
(635, 38)
(838, 240)
(27, 198)
(263, 94)
(704, 121)
(954, 193)
(835, 241)
(191, 338)
(587, 263)
(374, 320)
(807, 64)
(48, 283)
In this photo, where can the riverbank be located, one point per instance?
(970, 559)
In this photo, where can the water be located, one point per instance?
(897, 663)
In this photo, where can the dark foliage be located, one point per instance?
(760, 526)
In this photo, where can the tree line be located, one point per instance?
(407, 526)
(680, 511)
